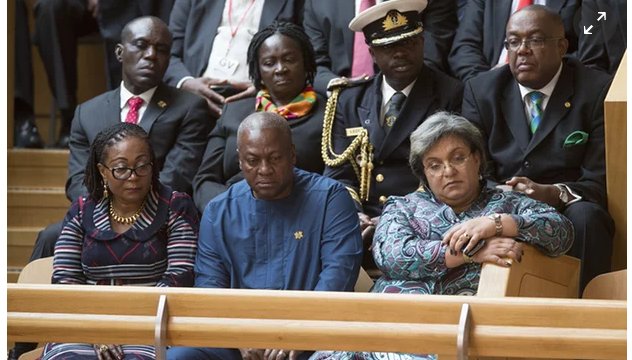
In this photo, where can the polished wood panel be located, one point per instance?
(615, 122)
(519, 327)
(537, 275)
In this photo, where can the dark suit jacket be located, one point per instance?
(576, 104)
(194, 23)
(220, 165)
(479, 38)
(603, 49)
(115, 14)
(360, 106)
(326, 22)
(177, 122)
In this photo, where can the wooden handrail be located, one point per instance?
(527, 327)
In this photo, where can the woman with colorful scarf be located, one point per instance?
(282, 67)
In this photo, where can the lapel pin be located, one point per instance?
(298, 235)
(567, 105)
(162, 104)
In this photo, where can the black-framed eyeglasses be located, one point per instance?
(531, 43)
(124, 173)
(437, 168)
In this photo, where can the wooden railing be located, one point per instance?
(451, 326)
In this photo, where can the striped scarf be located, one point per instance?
(299, 107)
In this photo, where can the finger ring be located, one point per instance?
(103, 348)
(467, 236)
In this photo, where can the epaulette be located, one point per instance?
(359, 145)
(345, 82)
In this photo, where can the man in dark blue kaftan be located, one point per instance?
(281, 228)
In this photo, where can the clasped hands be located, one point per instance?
(203, 86)
(108, 351)
(367, 226)
(463, 237)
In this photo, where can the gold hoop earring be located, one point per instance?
(105, 190)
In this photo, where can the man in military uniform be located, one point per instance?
(368, 122)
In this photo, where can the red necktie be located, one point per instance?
(362, 61)
(134, 105)
(523, 3)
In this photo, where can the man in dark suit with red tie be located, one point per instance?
(543, 119)
(369, 132)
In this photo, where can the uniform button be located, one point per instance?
(381, 162)
(382, 199)
(527, 164)
(379, 178)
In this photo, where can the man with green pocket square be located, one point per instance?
(542, 115)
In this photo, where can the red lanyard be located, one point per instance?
(230, 17)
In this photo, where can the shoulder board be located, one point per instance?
(344, 82)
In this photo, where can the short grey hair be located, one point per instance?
(264, 120)
(436, 127)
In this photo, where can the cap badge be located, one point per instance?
(393, 20)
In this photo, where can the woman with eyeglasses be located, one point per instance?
(434, 240)
(128, 230)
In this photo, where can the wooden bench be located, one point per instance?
(515, 327)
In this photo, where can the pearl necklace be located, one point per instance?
(125, 219)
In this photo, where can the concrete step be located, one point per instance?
(37, 168)
(35, 207)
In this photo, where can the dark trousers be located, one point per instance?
(594, 232)
(23, 86)
(58, 26)
(45, 242)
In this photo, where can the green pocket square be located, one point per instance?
(575, 138)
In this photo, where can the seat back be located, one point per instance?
(609, 286)
(537, 275)
(37, 271)
(364, 282)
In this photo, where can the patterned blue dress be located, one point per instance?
(407, 247)
(158, 250)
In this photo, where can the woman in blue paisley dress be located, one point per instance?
(422, 238)
(128, 230)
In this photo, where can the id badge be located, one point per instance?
(228, 66)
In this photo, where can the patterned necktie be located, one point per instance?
(134, 104)
(362, 61)
(397, 100)
(536, 98)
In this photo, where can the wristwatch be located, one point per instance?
(564, 198)
(498, 222)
